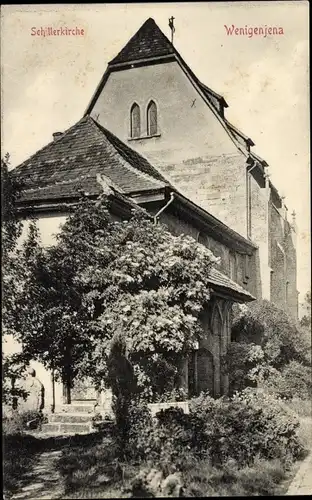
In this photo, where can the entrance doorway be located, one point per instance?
(201, 372)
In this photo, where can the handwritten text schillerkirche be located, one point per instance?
(251, 31)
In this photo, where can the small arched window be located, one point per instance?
(135, 121)
(151, 119)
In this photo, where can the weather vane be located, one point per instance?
(171, 26)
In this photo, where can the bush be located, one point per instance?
(279, 335)
(161, 441)
(277, 427)
(293, 381)
(17, 422)
(12, 424)
(241, 360)
(248, 427)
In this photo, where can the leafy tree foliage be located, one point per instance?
(105, 276)
(267, 346)
(262, 323)
(11, 229)
(306, 318)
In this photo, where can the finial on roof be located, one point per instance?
(171, 26)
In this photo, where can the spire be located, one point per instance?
(149, 41)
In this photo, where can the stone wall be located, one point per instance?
(245, 266)
(283, 260)
(291, 269)
(195, 152)
(193, 148)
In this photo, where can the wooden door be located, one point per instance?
(83, 390)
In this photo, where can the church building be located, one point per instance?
(156, 138)
(150, 98)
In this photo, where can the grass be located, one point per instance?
(89, 468)
(19, 453)
(303, 410)
(92, 471)
(262, 478)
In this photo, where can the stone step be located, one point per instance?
(74, 418)
(67, 428)
(50, 428)
(75, 408)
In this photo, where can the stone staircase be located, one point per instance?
(73, 418)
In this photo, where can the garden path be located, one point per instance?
(302, 482)
(43, 482)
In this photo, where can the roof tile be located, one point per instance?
(221, 280)
(71, 162)
(148, 41)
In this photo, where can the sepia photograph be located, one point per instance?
(155, 228)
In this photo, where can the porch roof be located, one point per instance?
(220, 283)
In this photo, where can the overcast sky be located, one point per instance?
(47, 82)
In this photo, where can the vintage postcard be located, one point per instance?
(156, 306)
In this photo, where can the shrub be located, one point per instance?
(151, 482)
(274, 426)
(249, 426)
(12, 424)
(279, 335)
(17, 422)
(141, 428)
(293, 381)
(162, 441)
(241, 359)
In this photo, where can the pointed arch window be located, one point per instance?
(152, 118)
(135, 120)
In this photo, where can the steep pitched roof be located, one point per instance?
(72, 161)
(148, 41)
(220, 281)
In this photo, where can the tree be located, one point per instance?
(124, 387)
(104, 276)
(12, 270)
(279, 335)
(267, 345)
